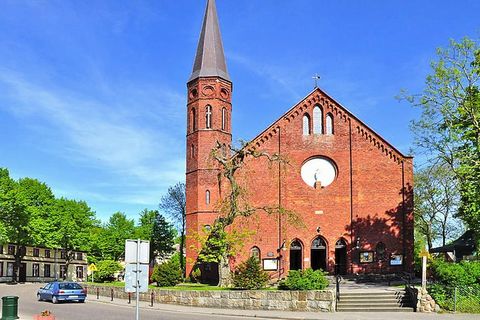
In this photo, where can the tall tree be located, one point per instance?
(436, 203)
(73, 221)
(448, 130)
(144, 230)
(174, 206)
(118, 229)
(163, 237)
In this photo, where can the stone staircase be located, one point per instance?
(374, 301)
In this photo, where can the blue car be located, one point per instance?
(62, 291)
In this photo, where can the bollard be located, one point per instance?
(9, 308)
(98, 293)
(111, 294)
(129, 297)
(151, 299)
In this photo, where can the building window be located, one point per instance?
(296, 252)
(36, 252)
(47, 253)
(79, 271)
(224, 119)
(207, 197)
(9, 269)
(329, 124)
(11, 250)
(192, 152)
(63, 254)
(63, 271)
(208, 117)
(1, 249)
(306, 125)
(255, 252)
(317, 120)
(1, 268)
(193, 121)
(79, 256)
(36, 270)
(46, 271)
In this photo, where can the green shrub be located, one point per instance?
(195, 275)
(250, 275)
(106, 270)
(304, 280)
(464, 273)
(167, 274)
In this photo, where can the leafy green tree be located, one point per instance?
(163, 237)
(73, 221)
(106, 270)
(448, 130)
(144, 230)
(174, 206)
(250, 275)
(118, 229)
(167, 274)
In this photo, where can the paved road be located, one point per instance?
(119, 310)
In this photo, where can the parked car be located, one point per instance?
(62, 291)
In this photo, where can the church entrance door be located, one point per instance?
(341, 257)
(318, 254)
(296, 255)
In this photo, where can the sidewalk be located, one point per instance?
(273, 314)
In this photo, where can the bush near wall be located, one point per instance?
(167, 274)
(307, 279)
(106, 270)
(250, 275)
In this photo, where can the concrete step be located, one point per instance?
(372, 304)
(374, 309)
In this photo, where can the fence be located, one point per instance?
(457, 299)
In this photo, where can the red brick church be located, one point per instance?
(351, 188)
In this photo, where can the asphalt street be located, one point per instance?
(104, 309)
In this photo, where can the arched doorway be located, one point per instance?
(318, 254)
(296, 249)
(341, 257)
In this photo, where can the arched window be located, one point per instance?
(208, 117)
(193, 121)
(255, 252)
(224, 119)
(329, 124)
(318, 254)
(207, 197)
(306, 124)
(192, 154)
(317, 120)
(296, 253)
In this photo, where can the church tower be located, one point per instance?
(209, 110)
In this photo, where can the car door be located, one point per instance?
(43, 291)
(49, 291)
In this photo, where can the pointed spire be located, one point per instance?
(210, 59)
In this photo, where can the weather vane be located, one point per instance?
(316, 78)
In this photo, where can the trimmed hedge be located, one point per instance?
(250, 275)
(307, 279)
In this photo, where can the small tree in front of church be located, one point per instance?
(222, 241)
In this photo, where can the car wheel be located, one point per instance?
(54, 299)
(38, 297)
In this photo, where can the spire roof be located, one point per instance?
(210, 59)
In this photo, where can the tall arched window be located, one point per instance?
(208, 117)
(193, 121)
(255, 252)
(329, 124)
(296, 255)
(224, 119)
(192, 154)
(207, 197)
(317, 120)
(306, 125)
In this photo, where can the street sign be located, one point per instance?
(92, 267)
(131, 251)
(131, 278)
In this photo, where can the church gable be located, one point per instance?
(304, 110)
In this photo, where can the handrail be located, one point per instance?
(337, 287)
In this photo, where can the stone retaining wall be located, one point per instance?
(316, 301)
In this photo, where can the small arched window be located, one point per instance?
(207, 197)
(208, 117)
(329, 124)
(317, 120)
(255, 252)
(192, 152)
(306, 124)
(193, 120)
(224, 119)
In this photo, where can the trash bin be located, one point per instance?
(9, 308)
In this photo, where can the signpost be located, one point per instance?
(137, 258)
(92, 268)
(424, 254)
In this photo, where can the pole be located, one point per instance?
(424, 272)
(137, 281)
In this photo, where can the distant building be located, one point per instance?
(41, 264)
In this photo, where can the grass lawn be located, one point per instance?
(181, 286)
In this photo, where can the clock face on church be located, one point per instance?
(319, 172)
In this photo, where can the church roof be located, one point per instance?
(210, 58)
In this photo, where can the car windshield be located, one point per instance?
(69, 286)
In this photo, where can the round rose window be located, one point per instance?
(319, 172)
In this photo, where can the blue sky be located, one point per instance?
(92, 93)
